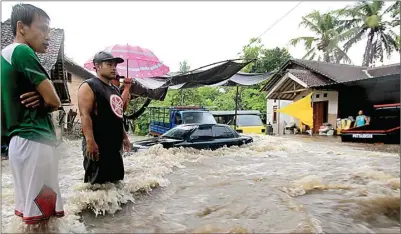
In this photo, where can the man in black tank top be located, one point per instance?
(124, 90)
(101, 109)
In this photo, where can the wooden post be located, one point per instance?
(278, 115)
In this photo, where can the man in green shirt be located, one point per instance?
(34, 164)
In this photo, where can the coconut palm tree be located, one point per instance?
(324, 45)
(367, 19)
(394, 10)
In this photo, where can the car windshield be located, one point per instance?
(198, 117)
(178, 133)
(249, 120)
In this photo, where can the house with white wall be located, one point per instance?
(276, 119)
(297, 78)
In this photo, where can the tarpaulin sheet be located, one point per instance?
(137, 89)
(301, 109)
(244, 79)
(224, 74)
(211, 76)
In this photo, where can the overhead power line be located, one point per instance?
(276, 22)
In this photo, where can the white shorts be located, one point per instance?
(34, 167)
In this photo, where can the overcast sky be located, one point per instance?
(200, 32)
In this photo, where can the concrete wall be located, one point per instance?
(332, 98)
(73, 86)
(318, 96)
(282, 119)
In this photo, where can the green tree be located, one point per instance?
(272, 59)
(368, 19)
(252, 51)
(267, 60)
(324, 45)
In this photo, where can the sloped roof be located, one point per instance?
(384, 70)
(47, 59)
(309, 78)
(335, 71)
(317, 73)
(78, 70)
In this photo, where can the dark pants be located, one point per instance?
(109, 168)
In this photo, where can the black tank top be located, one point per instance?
(107, 115)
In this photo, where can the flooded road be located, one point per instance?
(276, 184)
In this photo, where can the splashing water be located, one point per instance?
(306, 187)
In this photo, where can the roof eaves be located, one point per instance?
(358, 79)
(274, 75)
(298, 61)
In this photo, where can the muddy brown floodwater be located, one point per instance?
(274, 185)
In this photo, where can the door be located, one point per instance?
(223, 136)
(202, 138)
(320, 114)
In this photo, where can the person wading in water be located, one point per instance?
(101, 109)
(27, 122)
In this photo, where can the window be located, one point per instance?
(202, 132)
(317, 95)
(69, 77)
(325, 95)
(179, 133)
(274, 114)
(222, 132)
(249, 120)
(198, 117)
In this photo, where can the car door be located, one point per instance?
(235, 138)
(223, 136)
(202, 138)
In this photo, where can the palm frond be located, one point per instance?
(392, 34)
(350, 33)
(390, 44)
(312, 57)
(393, 7)
(342, 56)
(378, 53)
(334, 39)
(309, 53)
(376, 7)
(347, 24)
(307, 40)
(310, 25)
(367, 58)
(355, 39)
(353, 12)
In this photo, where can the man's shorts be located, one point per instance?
(34, 167)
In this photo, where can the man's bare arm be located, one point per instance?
(49, 95)
(86, 101)
(126, 98)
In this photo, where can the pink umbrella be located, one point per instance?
(140, 62)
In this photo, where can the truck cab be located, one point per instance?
(163, 119)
